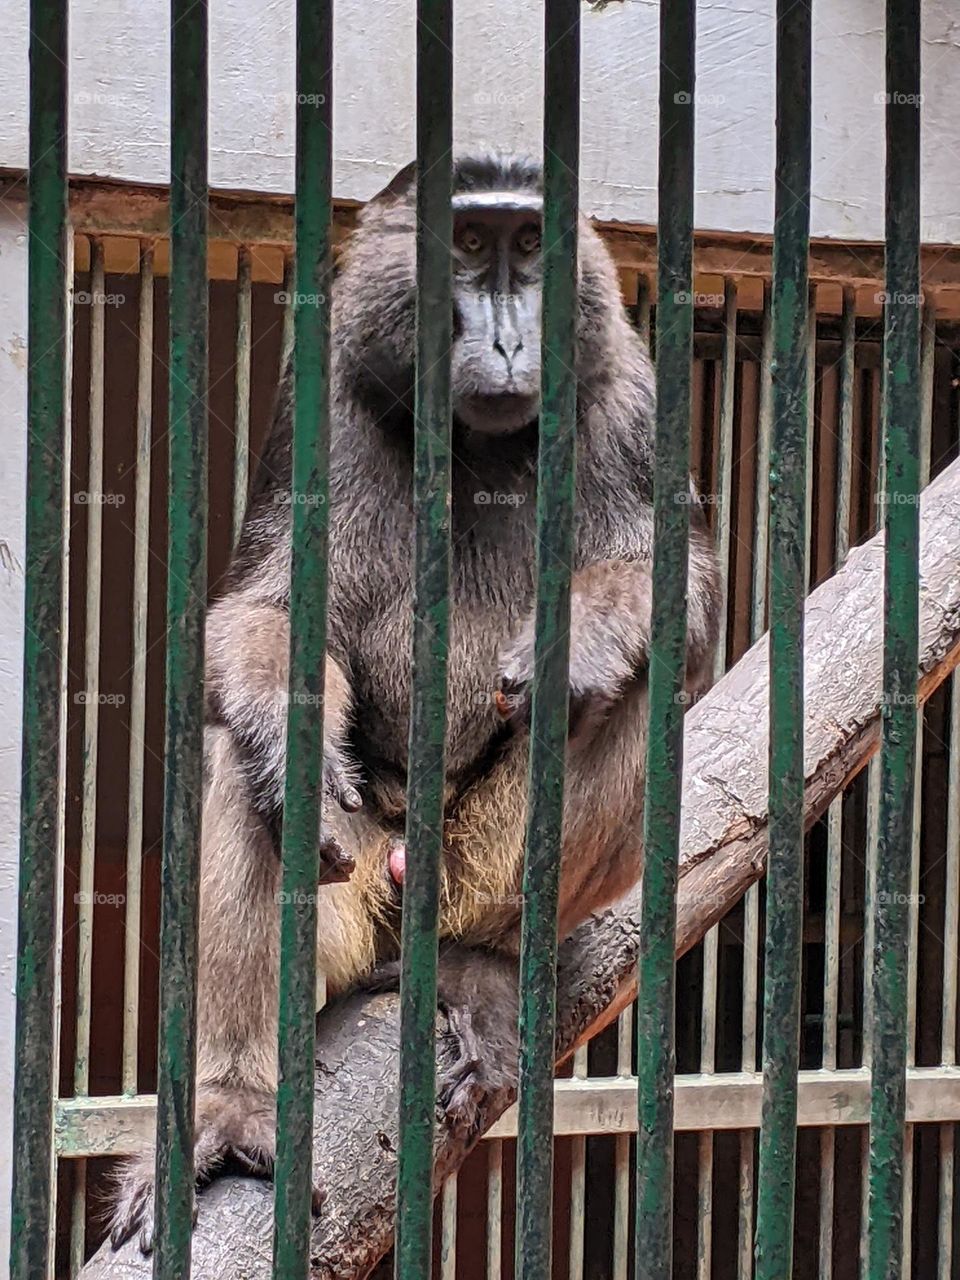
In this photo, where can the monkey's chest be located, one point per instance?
(481, 618)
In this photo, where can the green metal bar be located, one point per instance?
(787, 584)
(758, 598)
(186, 606)
(656, 1058)
(724, 494)
(43, 633)
(548, 729)
(426, 756)
(303, 788)
(901, 448)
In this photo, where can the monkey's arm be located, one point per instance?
(610, 611)
(247, 668)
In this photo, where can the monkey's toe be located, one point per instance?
(133, 1206)
(336, 865)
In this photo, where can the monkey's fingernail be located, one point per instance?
(351, 799)
(502, 704)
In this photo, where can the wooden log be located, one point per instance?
(723, 846)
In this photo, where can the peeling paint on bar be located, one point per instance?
(548, 721)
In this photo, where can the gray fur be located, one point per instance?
(368, 670)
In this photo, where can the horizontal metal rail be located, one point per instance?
(112, 1126)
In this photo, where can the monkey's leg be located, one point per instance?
(481, 893)
(477, 995)
(238, 981)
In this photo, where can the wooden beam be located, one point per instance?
(723, 847)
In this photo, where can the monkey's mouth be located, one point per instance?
(498, 414)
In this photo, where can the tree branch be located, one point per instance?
(723, 846)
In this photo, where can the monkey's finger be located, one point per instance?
(336, 864)
(340, 788)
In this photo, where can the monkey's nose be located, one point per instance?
(509, 348)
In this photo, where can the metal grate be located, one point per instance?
(816, 426)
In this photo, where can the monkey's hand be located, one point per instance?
(609, 643)
(338, 789)
(235, 1131)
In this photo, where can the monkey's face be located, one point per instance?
(497, 278)
(497, 288)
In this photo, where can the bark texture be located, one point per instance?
(723, 847)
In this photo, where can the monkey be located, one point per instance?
(495, 399)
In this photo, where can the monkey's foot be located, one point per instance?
(462, 1082)
(235, 1130)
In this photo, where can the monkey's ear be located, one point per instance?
(399, 185)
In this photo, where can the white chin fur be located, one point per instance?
(497, 416)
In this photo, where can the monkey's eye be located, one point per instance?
(528, 239)
(470, 241)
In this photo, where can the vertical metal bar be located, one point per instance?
(811, 359)
(951, 923)
(788, 464)
(901, 440)
(724, 516)
(656, 1056)
(758, 601)
(186, 595)
(927, 336)
(951, 929)
(431, 496)
(832, 911)
(578, 1181)
(138, 676)
(747, 1153)
(303, 789)
(708, 1044)
(621, 1157)
(44, 619)
(90, 698)
(495, 1209)
(548, 730)
(448, 1232)
(241, 409)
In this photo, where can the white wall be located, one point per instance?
(119, 101)
(13, 481)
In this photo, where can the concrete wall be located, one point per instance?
(120, 88)
(13, 470)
